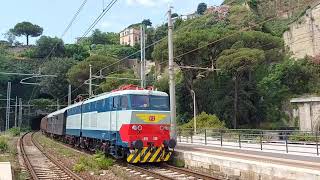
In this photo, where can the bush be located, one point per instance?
(25, 129)
(205, 120)
(3, 144)
(302, 137)
(101, 161)
(94, 163)
(14, 131)
(29, 53)
(79, 168)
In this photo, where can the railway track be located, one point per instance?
(165, 172)
(159, 172)
(41, 165)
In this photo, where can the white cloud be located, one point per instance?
(148, 3)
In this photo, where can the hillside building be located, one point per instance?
(130, 36)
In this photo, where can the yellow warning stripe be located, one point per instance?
(146, 156)
(155, 155)
(149, 154)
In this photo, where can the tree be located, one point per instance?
(27, 29)
(98, 37)
(113, 38)
(56, 86)
(239, 62)
(76, 51)
(112, 82)
(205, 120)
(285, 80)
(80, 72)
(174, 15)
(11, 38)
(46, 105)
(202, 7)
(118, 51)
(147, 22)
(49, 46)
(207, 33)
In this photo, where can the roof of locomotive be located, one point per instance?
(124, 92)
(106, 95)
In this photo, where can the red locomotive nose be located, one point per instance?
(154, 134)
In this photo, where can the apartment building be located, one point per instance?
(130, 36)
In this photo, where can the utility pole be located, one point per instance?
(142, 47)
(171, 77)
(20, 112)
(69, 95)
(58, 106)
(8, 106)
(90, 81)
(16, 112)
(194, 112)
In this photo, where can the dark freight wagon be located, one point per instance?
(57, 122)
(44, 124)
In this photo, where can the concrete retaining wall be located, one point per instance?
(233, 168)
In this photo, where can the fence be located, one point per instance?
(298, 142)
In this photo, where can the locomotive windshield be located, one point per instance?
(145, 102)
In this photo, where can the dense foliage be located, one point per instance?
(250, 85)
(205, 120)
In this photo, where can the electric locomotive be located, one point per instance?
(129, 122)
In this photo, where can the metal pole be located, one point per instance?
(286, 137)
(90, 80)
(239, 140)
(171, 77)
(29, 114)
(58, 106)
(317, 144)
(69, 95)
(144, 57)
(205, 136)
(142, 50)
(261, 140)
(194, 112)
(8, 106)
(221, 138)
(16, 112)
(20, 112)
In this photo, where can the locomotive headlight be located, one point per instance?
(139, 127)
(134, 127)
(166, 128)
(161, 128)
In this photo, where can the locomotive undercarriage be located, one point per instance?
(94, 145)
(134, 155)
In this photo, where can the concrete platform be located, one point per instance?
(248, 165)
(5, 171)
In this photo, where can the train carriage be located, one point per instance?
(57, 122)
(128, 123)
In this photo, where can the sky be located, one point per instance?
(55, 15)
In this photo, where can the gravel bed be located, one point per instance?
(69, 157)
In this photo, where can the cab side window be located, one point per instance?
(115, 104)
(124, 102)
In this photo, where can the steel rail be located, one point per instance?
(189, 172)
(26, 159)
(53, 160)
(149, 172)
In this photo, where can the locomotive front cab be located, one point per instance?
(148, 133)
